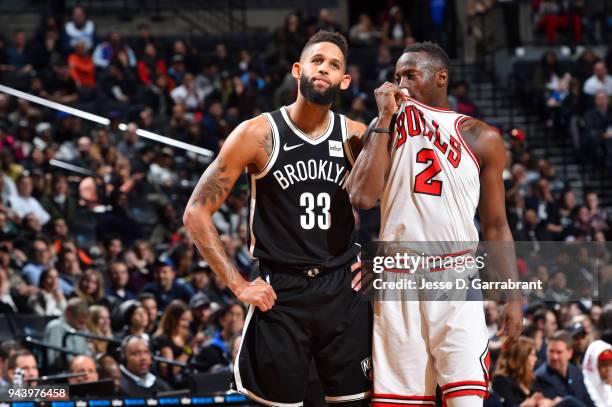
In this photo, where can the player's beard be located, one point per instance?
(326, 97)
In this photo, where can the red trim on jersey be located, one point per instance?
(480, 393)
(434, 108)
(397, 396)
(392, 404)
(465, 383)
(463, 142)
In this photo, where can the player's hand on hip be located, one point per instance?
(510, 323)
(257, 293)
(389, 97)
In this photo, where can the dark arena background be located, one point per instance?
(111, 110)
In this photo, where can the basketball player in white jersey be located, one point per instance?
(432, 169)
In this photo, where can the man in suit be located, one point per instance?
(136, 377)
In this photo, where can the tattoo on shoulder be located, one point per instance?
(267, 143)
(213, 187)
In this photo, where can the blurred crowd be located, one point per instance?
(100, 249)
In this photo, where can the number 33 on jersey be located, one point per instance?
(299, 210)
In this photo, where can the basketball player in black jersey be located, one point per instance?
(303, 306)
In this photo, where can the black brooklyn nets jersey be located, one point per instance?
(300, 213)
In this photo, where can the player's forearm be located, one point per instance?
(367, 179)
(206, 238)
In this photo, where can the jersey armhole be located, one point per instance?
(464, 142)
(345, 140)
(275, 148)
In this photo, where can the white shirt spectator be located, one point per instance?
(600, 392)
(594, 84)
(84, 34)
(9, 189)
(192, 100)
(22, 205)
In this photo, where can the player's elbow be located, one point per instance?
(190, 216)
(361, 201)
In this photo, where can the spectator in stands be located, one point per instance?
(514, 378)
(597, 373)
(364, 33)
(60, 204)
(201, 310)
(7, 348)
(288, 41)
(149, 302)
(396, 32)
(100, 324)
(39, 260)
(173, 339)
(599, 216)
(23, 202)
(75, 317)
(17, 55)
(108, 51)
(558, 377)
(150, 66)
(85, 366)
(136, 377)
(598, 128)
(81, 66)
(109, 369)
(217, 350)
(600, 80)
(327, 22)
(60, 86)
(119, 278)
(49, 300)
(465, 105)
(90, 287)
(188, 94)
(25, 361)
(80, 29)
(166, 288)
(136, 321)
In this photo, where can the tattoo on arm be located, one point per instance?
(267, 143)
(214, 187)
(210, 246)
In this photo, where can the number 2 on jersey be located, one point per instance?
(308, 220)
(423, 181)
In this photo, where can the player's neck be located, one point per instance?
(310, 118)
(438, 101)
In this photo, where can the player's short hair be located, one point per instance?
(327, 36)
(438, 56)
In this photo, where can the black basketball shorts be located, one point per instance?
(315, 317)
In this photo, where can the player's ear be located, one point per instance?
(346, 81)
(442, 78)
(296, 70)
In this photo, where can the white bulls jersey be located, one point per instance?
(433, 187)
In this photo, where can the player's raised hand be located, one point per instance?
(510, 323)
(389, 97)
(257, 293)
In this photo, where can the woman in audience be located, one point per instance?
(173, 339)
(90, 287)
(514, 377)
(100, 324)
(49, 300)
(136, 321)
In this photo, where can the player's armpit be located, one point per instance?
(356, 135)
